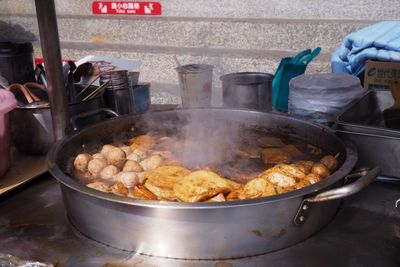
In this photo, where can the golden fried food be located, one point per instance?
(161, 180)
(270, 141)
(116, 156)
(218, 198)
(284, 189)
(291, 170)
(312, 178)
(293, 150)
(320, 170)
(141, 192)
(278, 178)
(201, 185)
(119, 189)
(306, 165)
(81, 161)
(132, 166)
(258, 187)
(275, 156)
(330, 162)
(301, 184)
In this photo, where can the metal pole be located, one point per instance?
(48, 30)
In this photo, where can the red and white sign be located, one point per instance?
(126, 8)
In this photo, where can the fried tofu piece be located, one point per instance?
(161, 181)
(201, 185)
(119, 189)
(258, 187)
(293, 150)
(305, 165)
(218, 198)
(291, 170)
(275, 156)
(270, 141)
(278, 177)
(249, 151)
(141, 192)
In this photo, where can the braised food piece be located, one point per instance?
(278, 178)
(96, 165)
(275, 156)
(81, 161)
(116, 157)
(119, 189)
(305, 165)
(320, 170)
(201, 185)
(132, 166)
(145, 142)
(293, 150)
(161, 180)
(109, 172)
(258, 187)
(129, 179)
(141, 192)
(105, 149)
(284, 189)
(330, 162)
(314, 150)
(246, 150)
(100, 186)
(312, 178)
(270, 141)
(218, 198)
(151, 162)
(291, 170)
(301, 184)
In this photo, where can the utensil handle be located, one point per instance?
(365, 177)
(89, 114)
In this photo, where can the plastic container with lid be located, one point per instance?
(7, 103)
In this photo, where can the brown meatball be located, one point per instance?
(126, 149)
(132, 166)
(151, 162)
(116, 157)
(81, 162)
(134, 156)
(129, 179)
(320, 170)
(108, 172)
(96, 165)
(330, 162)
(98, 156)
(106, 149)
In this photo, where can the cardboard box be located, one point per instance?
(380, 75)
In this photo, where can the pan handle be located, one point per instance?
(365, 177)
(89, 114)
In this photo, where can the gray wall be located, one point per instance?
(233, 35)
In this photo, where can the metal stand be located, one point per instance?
(48, 30)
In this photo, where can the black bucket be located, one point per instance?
(16, 62)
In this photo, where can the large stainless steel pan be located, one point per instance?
(204, 230)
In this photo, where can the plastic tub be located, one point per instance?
(7, 103)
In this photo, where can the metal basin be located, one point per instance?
(203, 230)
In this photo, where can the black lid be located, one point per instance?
(15, 48)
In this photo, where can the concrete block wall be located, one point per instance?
(232, 35)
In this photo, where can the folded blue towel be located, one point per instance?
(380, 41)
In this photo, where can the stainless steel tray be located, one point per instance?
(362, 123)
